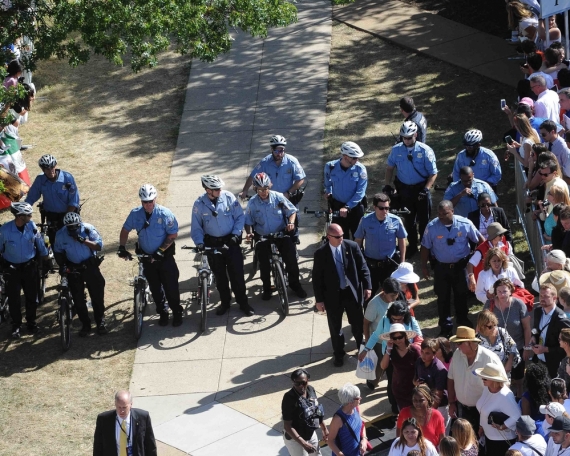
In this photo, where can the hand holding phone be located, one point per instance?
(509, 140)
(503, 104)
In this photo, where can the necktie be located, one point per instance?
(340, 268)
(550, 146)
(123, 439)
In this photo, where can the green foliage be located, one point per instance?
(73, 29)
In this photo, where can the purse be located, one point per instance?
(497, 418)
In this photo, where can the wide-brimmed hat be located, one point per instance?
(398, 328)
(495, 229)
(559, 279)
(405, 274)
(464, 334)
(492, 372)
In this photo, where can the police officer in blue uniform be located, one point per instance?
(20, 243)
(269, 212)
(59, 192)
(411, 114)
(464, 193)
(446, 245)
(283, 169)
(157, 228)
(345, 187)
(380, 232)
(75, 246)
(217, 221)
(416, 172)
(484, 162)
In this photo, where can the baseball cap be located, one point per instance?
(560, 423)
(554, 409)
(527, 101)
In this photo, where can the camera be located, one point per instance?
(545, 204)
(450, 241)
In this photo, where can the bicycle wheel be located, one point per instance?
(281, 288)
(139, 303)
(42, 286)
(204, 303)
(65, 322)
(4, 310)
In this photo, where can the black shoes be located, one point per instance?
(338, 362)
(370, 385)
(85, 331)
(33, 328)
(299, 291)
(266, 295)
(163, 319)
(102, 329)
(248, 310)
(16, 332)
(222, 310)
(177, 320)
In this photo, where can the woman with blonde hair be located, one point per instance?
(497, 340)
(522, 150)
(522, 19)
(495, 266)
(465, 436)
(555, 195)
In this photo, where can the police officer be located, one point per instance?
(217, 221)
(345, 187)
(283, 169)
(416, 172)
(157, 228)
(75, 246)
(379, 231)
(59, 192)
(463, 194)
(446, 245)
(20, 242)
(411, 114)
(483, 161)
(270, 212)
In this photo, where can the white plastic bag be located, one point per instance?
(366, 369)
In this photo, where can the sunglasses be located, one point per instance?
(301, 383)
(489, 326)
(486, 205)
(147, 202)
(279, 151)
(336, 237)
(397, 337)
(544, 135)
(383, 208)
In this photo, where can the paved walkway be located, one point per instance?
(220, 392)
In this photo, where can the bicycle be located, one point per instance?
(142, 295)
(278, 271)
(205, 280)
(65, 311)
(3, 297)
(44, 268)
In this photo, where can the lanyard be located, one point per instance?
(130, 430)
(545, 325)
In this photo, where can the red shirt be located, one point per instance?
(434, 430)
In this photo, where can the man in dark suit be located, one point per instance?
(124, 431)
(341, 282)
(487, 214)
(549, 320)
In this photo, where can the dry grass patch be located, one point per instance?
(113, 130)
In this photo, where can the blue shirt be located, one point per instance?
(230, 218)
(380, 237)
(384, 327)
(486, 167)
(436, 236)
(411, 172)
(468, 203)
(57, 195)
(283, 176)
(75, 251)
(161, 223)
(347, 186)
(18, 247)
(268, 216)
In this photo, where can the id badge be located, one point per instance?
(129, 450)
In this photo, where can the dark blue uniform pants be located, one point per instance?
(91, 278)
(229, 263)
(349, 224)
(162, 279)
(381, 270)
(445, 280)
(287, 249)
(23, 278)
(418, 218)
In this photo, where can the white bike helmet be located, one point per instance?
(261, 180)
(277, 140)
(212, 182)
(47, 161)
(72, 218)
(21, 208)
(147, 192)
(472, 137)
(408, 129)
(351, 149)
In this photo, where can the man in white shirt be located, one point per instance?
(529, 443)
(559, 442)
(547, 106)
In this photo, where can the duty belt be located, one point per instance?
(458, 264)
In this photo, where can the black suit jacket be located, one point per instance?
(555, 352)
(326, 283)
(498, 216)
(105, 443)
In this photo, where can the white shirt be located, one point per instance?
(548, 106)
(118, 430)
(403, 451)
(487, 279)
(544, 323)
(536, 441)
(503, 401)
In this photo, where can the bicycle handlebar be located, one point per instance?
(213, 250)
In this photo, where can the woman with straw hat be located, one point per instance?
(498, 428)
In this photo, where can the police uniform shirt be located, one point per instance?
(380, 236)
(161, 223)
(406, 169)
(75, 251)
(268, 216)
(19, 247)
(468, 203)
(347, 186)
(461, 231)
(57, 195)
(282, 176)
(419, 119)
(229, 218)
(486, 167)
